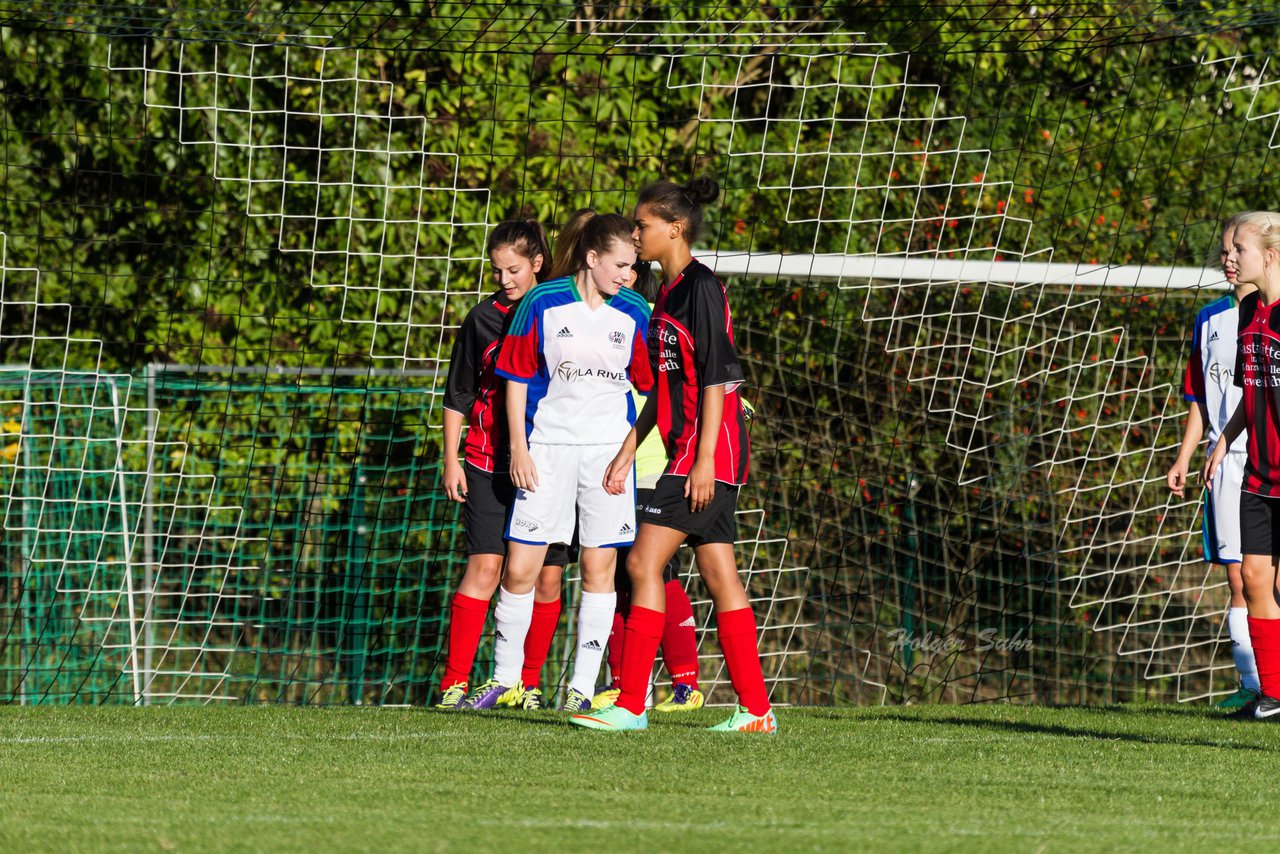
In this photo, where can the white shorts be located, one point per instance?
(570, 478)
(1221, 524)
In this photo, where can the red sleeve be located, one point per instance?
(640, 371)
(1193, 378)
(521, 348)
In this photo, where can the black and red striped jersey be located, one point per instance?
(1258, 374)
(691, 347)
(475, 390)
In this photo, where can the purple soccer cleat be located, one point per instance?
(491, 694)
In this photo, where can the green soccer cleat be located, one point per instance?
(612, 718)
(744, 721)
(533, 700)
(684, 698)
(453, 697)
(1237, 701)
(604, 698)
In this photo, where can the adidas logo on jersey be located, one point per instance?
(592, 645)
(626, 528)
(564, 333)
(499, 636)
(1214, 336)
(688, 622)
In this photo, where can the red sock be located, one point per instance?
(616, 645)
(537, 643)
(742, 657)
(644, 631)
(466, 624)
(1265, 635)
(679, 643)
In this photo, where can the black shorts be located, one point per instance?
(489, 499)
(1259, 525)
(621, 580)
(668, 508)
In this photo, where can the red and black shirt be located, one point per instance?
(1258, 373)
(691, 347)
(474, 390)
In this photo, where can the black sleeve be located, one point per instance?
(713, 351)
(464, 369)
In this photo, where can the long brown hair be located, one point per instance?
(562, 263)
(525, 236)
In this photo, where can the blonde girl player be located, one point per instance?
(1254, 256)
(573, 350)
(695, 405)
(1207, 385)
(474, 396)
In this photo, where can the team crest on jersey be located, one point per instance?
(618, 339)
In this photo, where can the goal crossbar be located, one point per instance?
(866, 268)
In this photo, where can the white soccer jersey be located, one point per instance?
(1208, 378)
(578, 363)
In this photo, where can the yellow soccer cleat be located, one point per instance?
(684, 698)
(604, 699)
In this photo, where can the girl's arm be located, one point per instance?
(1234, 428)
(615, 476)
(455, 479)
(523, 472)
(700, 487)
(1177, 476)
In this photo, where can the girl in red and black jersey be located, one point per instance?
(1254, 258)
(474, 394)
(696, 409)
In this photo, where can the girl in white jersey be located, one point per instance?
(1208, 387)
(573, 350)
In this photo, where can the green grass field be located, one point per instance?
(987, 778)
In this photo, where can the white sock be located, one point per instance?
(1242, 647)
(511, 623)
(595, 620)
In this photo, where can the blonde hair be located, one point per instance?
(1265, 223)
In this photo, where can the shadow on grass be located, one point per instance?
(1065, 731)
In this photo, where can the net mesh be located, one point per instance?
(963, 249)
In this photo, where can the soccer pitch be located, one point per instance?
(920, 778)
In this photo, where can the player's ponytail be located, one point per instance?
(526, 237)
(595, 233)
(562, 262)
(676, 203)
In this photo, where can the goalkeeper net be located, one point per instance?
(963, 247)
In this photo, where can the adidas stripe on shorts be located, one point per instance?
(1221, 518)
(570, 489)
